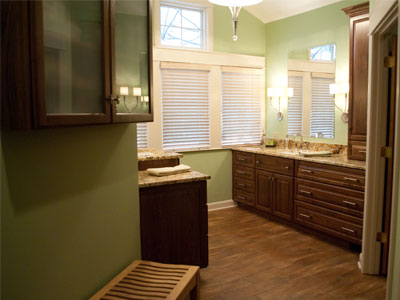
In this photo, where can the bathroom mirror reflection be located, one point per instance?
(311, 109)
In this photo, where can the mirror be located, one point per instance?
(311, 109)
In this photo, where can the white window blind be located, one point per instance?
(185, 109)
(241, 108)
(295, 106)
(322, 122)
(142, 136)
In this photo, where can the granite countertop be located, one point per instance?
(153, 154)
(335, 159)
(146, 180)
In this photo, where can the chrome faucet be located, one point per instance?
(301, 141)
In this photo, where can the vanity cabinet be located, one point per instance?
(325, 198)
(174, 223)
(358, 77)
(69, 63)
(264, 182)
(330, 199)
(274, 184)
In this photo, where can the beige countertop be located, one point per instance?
(153, 154)
(146, 180)
(335, 159)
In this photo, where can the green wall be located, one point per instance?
(291, 37)
(251, 33)
(69, 210)
(217, 164)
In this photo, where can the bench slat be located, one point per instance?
(150, 280)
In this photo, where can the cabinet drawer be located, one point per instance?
(242, 172)
(275, 164)
(243, 197)
(243, 159)
(357, 150)
(243, 184)
(329, 196)
(325, 220)
(346, 177)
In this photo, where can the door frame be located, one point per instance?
(384, 16)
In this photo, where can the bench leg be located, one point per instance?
(195, 292)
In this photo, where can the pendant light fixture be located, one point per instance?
(235, 6)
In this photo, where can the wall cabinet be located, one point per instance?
(358, 92)
(324, 198)
(78, 62)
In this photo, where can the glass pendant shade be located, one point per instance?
(235, 6)
(237, 3)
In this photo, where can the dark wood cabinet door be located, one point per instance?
(358, 94)
(264, 191)
(71, 79)
(131, 60)
(283, 196)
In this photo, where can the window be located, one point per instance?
(323, 53)
(322, 122)
(183, 25)
(142, 136)
(241, 108)
(295, 106)
(185, 108)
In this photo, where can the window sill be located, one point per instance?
(215, 149)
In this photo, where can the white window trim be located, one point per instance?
(214, 61)
(208, 35)
(309, 69)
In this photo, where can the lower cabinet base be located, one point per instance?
(174, 223)
(316, 233)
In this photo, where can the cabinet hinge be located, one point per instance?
(386, 151)
(389, 62)
(381, 237)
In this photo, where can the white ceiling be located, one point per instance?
(272, 10)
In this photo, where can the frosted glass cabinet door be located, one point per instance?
(132, 60)
(71, 43)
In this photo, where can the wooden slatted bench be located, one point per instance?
(150, 280)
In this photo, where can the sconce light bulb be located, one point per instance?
(137, 91)
(124, 91)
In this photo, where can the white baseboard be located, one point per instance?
(221, 205)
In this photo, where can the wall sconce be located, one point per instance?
(341, 88)
(279, 92)
(124, 91)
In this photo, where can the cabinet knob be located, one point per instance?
(257, 162)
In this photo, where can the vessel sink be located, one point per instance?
(288, 152)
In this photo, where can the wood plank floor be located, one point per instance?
(252, 258)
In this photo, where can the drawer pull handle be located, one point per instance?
(307, 171)
(241, 172)
(351, 179)
(305, 216)
(241, 197)
(241, 159)
(287, 167)
(362, 151)
(348, 230)
(241, 184)
(306, 192)
(350, 203)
